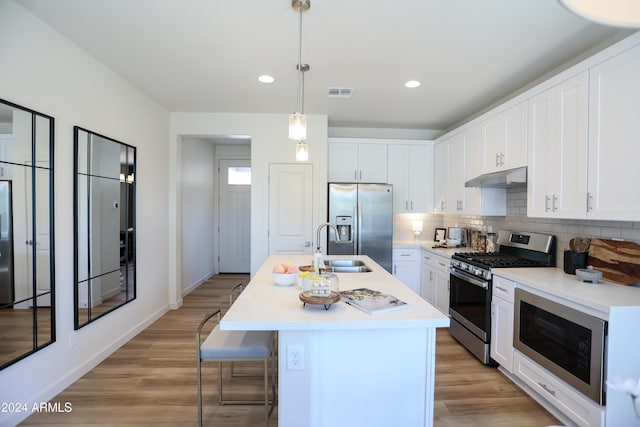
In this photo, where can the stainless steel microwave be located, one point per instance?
(568, 343)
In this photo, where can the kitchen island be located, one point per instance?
(355, 369)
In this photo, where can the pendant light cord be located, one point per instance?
(300, 99)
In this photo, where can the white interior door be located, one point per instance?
(235, 216)
(290, 208)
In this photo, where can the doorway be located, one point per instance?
(234, 207)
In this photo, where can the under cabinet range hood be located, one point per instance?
(503, 179)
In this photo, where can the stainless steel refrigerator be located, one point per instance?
(363, 215)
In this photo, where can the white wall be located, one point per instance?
(198, 212)
(269, 144)
(41, 70)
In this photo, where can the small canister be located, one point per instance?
(482, 243)
(491, 242)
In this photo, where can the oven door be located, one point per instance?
(470, 302)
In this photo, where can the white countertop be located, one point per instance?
(428, 245)
(605, 297)
(266, 306)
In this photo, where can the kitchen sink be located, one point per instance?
(343, 265)
(343, 262)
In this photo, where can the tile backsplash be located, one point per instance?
(517, 220)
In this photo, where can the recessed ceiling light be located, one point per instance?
(412, 84)
(266, 79)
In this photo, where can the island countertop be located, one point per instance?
(266, 306)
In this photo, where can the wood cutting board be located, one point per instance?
(618, 261)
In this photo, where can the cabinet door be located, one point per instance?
(372, 163)
(343, 162)
(456, 179)
(515, 149)
(442, 291)
(569, 180)
(441, 176)
(408, 273)
(406, 267)
(398, 174)
(494, 137)
(614, 149)
(441, 277)
(502, 333)
(427, 279)
(557, 146)
(542, 153)
(420, 180)
(504, 139)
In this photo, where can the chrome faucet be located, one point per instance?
(330, 225)
(318, 263)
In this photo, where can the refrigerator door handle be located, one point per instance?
(359, 216)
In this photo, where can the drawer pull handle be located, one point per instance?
(547, 389)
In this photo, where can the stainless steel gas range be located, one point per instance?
(471, 276)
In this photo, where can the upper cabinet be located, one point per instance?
(458, 159)
(557, 150)
(504, 139)
(410, 171)
(357, 162)
(441, 176)
(614, 146)
(583, 144)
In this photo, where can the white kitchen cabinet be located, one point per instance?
(456, 191)
(614, 144)
(463, 158)
(357, 162)
(557, 150)
(427, 278)
(442, 283)
(406, 267)
(434, 281)
(410, 171)
(504, 139)
(441, 176)
(501, 347)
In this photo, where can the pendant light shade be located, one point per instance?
(302, 151)
(615, 13)
(297, 127)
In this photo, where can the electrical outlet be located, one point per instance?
(295, 357)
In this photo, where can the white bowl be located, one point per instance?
(284, 279)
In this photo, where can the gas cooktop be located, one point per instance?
(516, 249)
(496, 260)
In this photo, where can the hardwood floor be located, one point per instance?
(151, 381)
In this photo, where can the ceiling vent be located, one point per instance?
(339, 92)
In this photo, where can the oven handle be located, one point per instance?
(467, 278)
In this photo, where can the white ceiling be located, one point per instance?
(206, 55)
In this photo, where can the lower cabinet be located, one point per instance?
(572, 404)
(501, 347)
(434, 280)
(406, 267)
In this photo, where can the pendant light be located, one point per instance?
(297, 120)
(615, 13)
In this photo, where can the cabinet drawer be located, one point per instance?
(503, 288)
(441, 263)
(578, 408)
(400, 255)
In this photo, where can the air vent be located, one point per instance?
(339, 92)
